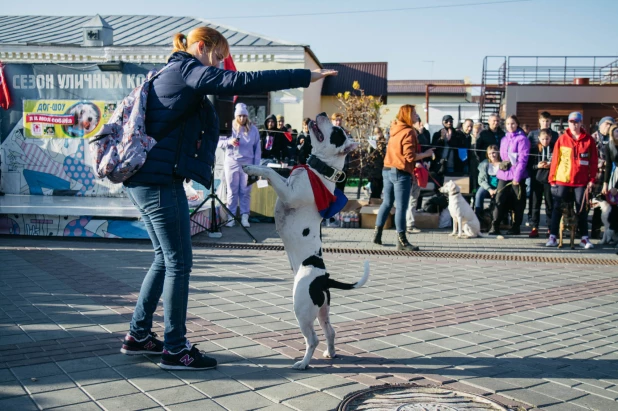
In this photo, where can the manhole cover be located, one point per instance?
(410, 397)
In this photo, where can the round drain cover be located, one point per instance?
(411, 397)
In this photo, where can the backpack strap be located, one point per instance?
(151, 76)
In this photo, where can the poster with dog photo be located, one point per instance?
(65, 118)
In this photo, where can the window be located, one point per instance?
(92, 34)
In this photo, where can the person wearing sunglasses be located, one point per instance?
(573, 172)
(185, 125)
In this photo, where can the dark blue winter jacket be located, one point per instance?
(179, 93)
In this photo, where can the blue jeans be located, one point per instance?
(481, 195)
(165, 213)
(397, 185)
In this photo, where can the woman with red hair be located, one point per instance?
(399, 162)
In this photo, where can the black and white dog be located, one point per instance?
(298, 222)
(609, 216)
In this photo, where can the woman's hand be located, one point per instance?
(235, 142)
(515, 182)
(604, 190)
(428, 153)
(319, 74)
(492, 192)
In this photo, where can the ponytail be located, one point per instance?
(180, 42)
(214, 41)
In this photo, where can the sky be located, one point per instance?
(439, 39)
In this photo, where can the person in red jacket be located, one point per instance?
(573, 172)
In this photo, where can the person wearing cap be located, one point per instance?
(446, 142)
(573, 172)
(241, 148)
(602, 137)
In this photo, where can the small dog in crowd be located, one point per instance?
(465, 222)
(568, 222)
(298, 222)
(609, 216)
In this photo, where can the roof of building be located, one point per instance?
(418, 87)
(371, 77)
(128, 30)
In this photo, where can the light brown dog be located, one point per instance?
(568, 222)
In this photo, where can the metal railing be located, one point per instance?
(501, 70)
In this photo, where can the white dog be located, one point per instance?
(298, 222)
(465, 222)
(609, 216)
(86, 119)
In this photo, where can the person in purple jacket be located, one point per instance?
(511, 192)
(241, 148)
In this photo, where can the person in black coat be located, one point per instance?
(493, 135)
(273, 142)
(422, 134)
(445, 143)
(375, 164)
(544, 124)
(304, 143)
(186, 127)
(539, 162)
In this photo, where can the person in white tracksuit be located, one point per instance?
(241, 148)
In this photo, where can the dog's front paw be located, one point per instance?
(328, 354)
(452, 234)
(300, 365)
(463, 236)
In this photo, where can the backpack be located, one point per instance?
(119, 150)
(435, 204)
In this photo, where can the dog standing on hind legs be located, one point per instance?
(306, 197)
(568, 222)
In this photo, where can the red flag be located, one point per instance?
(5, 96)
(228, 64)
(288, 135)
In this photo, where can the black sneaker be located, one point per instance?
(149, 345)
(187, 359)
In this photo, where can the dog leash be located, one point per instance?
(586, 200)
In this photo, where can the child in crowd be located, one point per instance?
(540, 161)
(488, 181)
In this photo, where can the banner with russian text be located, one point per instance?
(65, 118)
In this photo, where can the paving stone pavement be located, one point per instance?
(437, 241)
(529, 334)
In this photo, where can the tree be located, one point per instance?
(361, 114)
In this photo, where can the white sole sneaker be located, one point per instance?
(131, 352)
(183, 367)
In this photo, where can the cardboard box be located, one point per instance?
(426, 220)
(354, 205)
(263, 202)
(369, 214)
(463, 183)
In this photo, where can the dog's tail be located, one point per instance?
(347, 286)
